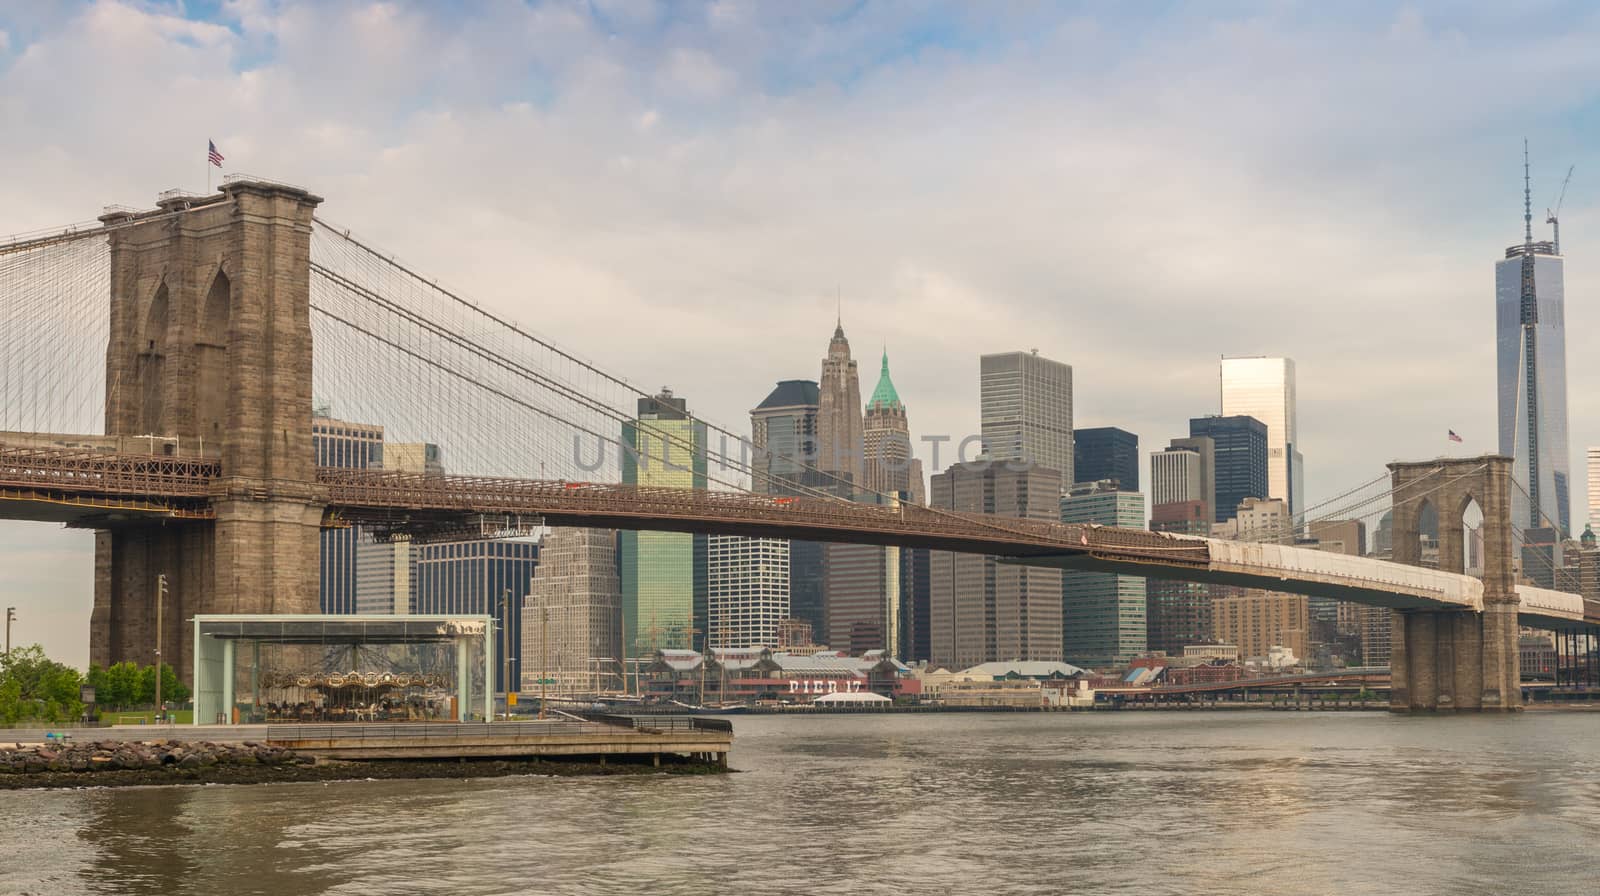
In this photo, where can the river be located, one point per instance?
(1139, 803)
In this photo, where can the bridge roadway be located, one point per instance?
(89, 488)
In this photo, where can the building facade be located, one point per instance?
(1239, 467)
(1183, 473)
(1103, 615)
(1264, 388)
(980, 610)
(839, 436)
(747, 590)
(1026, 412)
(1593, 518)
(573, 610)
(783, 430)
(886, 434)
(1106, 453)
(355, 446)
(1255, 621)
(483, 576)
(1531, 379)
(663, 574)
(385, 580)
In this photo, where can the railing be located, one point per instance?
(93, 472)
(437, 731)
(660, 724)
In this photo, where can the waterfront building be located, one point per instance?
(1103, 615)
(783, 429)
(483, 576)
(1264, 388)
(354, 446)
(981, 610)
(573, 635)
(1106, 453)
(663, 574)
(1239, 467)
(747, 590)
(1026, 410)
(1531, 377)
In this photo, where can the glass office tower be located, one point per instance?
(1531, 376)
(1263, 388)
(663, 573)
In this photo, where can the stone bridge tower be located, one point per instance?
(1455, 660)
(210, 353)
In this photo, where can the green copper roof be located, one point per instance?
(885, 393)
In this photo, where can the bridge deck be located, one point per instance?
(104, 488)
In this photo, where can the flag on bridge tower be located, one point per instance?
(1453, 436)
(212, 155)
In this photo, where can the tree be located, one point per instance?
(172, 690)
(34, 687)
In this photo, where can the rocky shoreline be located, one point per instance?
(133, 764)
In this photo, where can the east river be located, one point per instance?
(1139, 803)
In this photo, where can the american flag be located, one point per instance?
(1453, 436)
(212, 155)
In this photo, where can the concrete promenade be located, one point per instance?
(705, 739)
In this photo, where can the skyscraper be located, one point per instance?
(1264, 388)
(1027, 410)
(1531, 376)
(1594, 486)
(979, 609)
(1184, 473)
(747, 590)
(573, 612)
(663, 573)
(839, 442)
(886, 435)
(486, 576)
(1103, 615)
(1240, 469)
(783, 428)
(1106, 453)
(356, 446)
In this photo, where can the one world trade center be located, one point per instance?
(1531, 375)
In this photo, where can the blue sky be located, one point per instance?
(1135, 189)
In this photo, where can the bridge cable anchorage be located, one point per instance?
(370, 258)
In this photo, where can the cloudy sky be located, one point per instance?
(1133, 189)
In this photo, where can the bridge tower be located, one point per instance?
(210, 353)
(1457, 660)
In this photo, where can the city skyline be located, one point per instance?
(918, 278)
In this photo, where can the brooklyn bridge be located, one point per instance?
(159, 391)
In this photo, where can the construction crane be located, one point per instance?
(1553, 217)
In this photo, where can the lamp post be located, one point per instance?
(11, 616)
(161, 591)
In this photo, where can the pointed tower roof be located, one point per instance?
(885, 394)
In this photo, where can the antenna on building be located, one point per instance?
(1553, 218)
(1527, 198)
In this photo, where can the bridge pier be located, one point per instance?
(1456, 660)
(210, 352)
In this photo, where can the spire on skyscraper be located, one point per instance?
(884, 395)
(1527, 198)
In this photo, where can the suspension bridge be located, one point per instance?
(157, 385)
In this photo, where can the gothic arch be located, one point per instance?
(211, 358)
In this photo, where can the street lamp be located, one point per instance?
(11, 616)
(161, 591)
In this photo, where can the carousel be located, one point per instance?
(327, 668)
